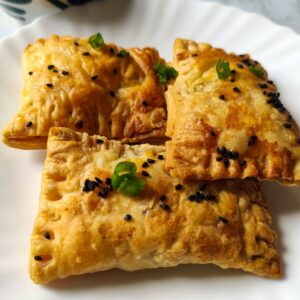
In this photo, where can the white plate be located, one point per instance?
(140, 23)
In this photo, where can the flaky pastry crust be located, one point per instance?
(242, 113)
(77, 232)
(68, 83)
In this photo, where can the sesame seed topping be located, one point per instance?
(99, 141)
(165, 206)
(50, 67)
(264, 92)
(79, 124)
(127, 217)
(65, 73)
(108, 180)
(236, 89)
(263, 85)
(247, 62)
(47, 235)
(162, 197)
(219, 158)
(150, 161)
(160, 157)
(145, 164)
(55, 71)
(86, 53)
(76, 44)
(94, 77)
(38, 258)
(49, 85)
(240, 66)
(270, 82)
(98, 180)
(30, 73)
(212, 133)
(112, 93)
(145, 103)
(226, 162)
(210, 197)
(233, 72)
(146, 174)
(112, 50)
(178, 187)
(223, 220)
(222, 97)
(287, 125)
(232, 80)
(104, 192)
(199, 196)
(28, 124)
(252, 140)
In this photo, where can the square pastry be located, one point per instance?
(226, 120)
(109, 91)
(85, 224)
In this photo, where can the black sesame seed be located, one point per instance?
(145, 164)
(247, 62)
(112, 50)
(104, 192)
(160, 157)
(178, 187)
(264, 92)
(210, 197)
(30, 73)
(99, 141)
(144, 103)
(242, 55)
(222, 97)
(49, 85)
(252, 140)
(233, 72)
(86, 53)
(150, 161)
(289, 118)
(38, 258)
(243, 163)
(162, 197)
(47, 235)
(263, 85)
(226, 162)
(115, 71)
(108, 180)
(146, 174)
(76, 44)
(98, 180)
(232, 80)
(28, 124)
(192, 197)
(79, 124)
(199, 196)
(223, 150)
(50, 67)
(127, 217)
(202, 186)
(111, 93)
(223, 220)
(94, 77)
(212, 133)
(55, 71)
(165, 206)
(234, 155)
(85, 189)
(65, 73)
(91, 185)
(219, 158)
(270, 82)
(240, 66)
(236, 89)
(287, 125)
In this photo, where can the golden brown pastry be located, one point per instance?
(233, 128)
(85, 227)
(108, 91)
